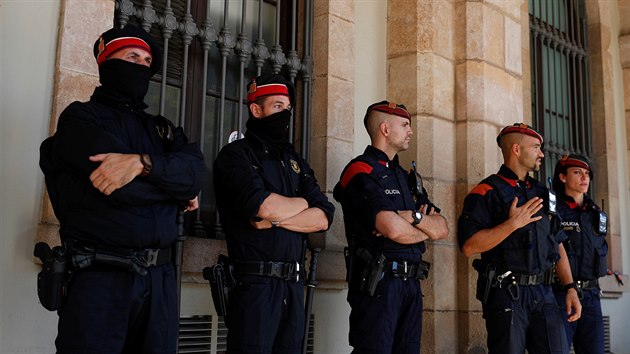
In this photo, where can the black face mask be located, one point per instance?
(128, 79)
(274, 128)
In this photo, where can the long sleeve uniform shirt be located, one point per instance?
(141, 214)
(246, 172)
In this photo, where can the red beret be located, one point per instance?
(258, 91)
(574, 161)
(520, 128)
(130, 36)
(389, 108)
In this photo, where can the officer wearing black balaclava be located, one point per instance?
(116, 177)
(268, 199)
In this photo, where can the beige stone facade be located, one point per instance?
(463, 70)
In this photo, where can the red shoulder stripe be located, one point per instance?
(481, 189)
(354, 169)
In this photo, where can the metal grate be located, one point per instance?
(560, 79)
(310, 341)
(212, 49)
(221, 336)
(195, 335)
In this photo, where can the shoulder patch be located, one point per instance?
(481, 189)
(354, 169)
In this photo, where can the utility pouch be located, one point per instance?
(222, 281)
(373, 272)
(52, 280)
(423, 270)
(487, 274)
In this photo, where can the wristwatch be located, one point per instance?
(572, 285)
(417, 217)
(147, 165)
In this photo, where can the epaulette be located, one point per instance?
(353, 169)
(481, 189)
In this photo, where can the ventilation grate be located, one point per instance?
(310, 342)
(195, 335)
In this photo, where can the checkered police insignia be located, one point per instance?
(295, 166)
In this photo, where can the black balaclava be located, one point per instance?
(127, 79)
(274, 128)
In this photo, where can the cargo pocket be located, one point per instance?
(556, 334)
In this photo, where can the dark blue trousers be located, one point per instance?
(524, 317)
(388, 322)
(587, 333)
(119, 312)
(266, 315)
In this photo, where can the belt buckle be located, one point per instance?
(579, 284)
(275, 269)
(531, 279)
(151, 257)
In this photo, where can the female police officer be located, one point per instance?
(585, 225)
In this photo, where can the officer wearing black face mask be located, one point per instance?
(116, 177)
(268, 199)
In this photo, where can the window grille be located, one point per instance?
(211, 50)
(560, 84)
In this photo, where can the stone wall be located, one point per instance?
(76, 74)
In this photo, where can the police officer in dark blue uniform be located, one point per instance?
(386, 228)
(268, 200)
(585, 225)
(509, 219)
(116, 177)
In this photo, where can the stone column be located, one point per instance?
(333, 118)
(76, 74)
(421, 75)
(489, 94)
(604, 127)
(624, 53)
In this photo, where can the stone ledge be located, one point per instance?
(613, 290)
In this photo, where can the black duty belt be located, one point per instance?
(587, 284)
(521, 279)
(405, 270)
(282, 270)
(579, 284)
(83, 256)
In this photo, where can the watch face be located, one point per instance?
(417, 216)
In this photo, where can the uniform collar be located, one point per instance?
(572, 204)
(381, 156)
(510, 177)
